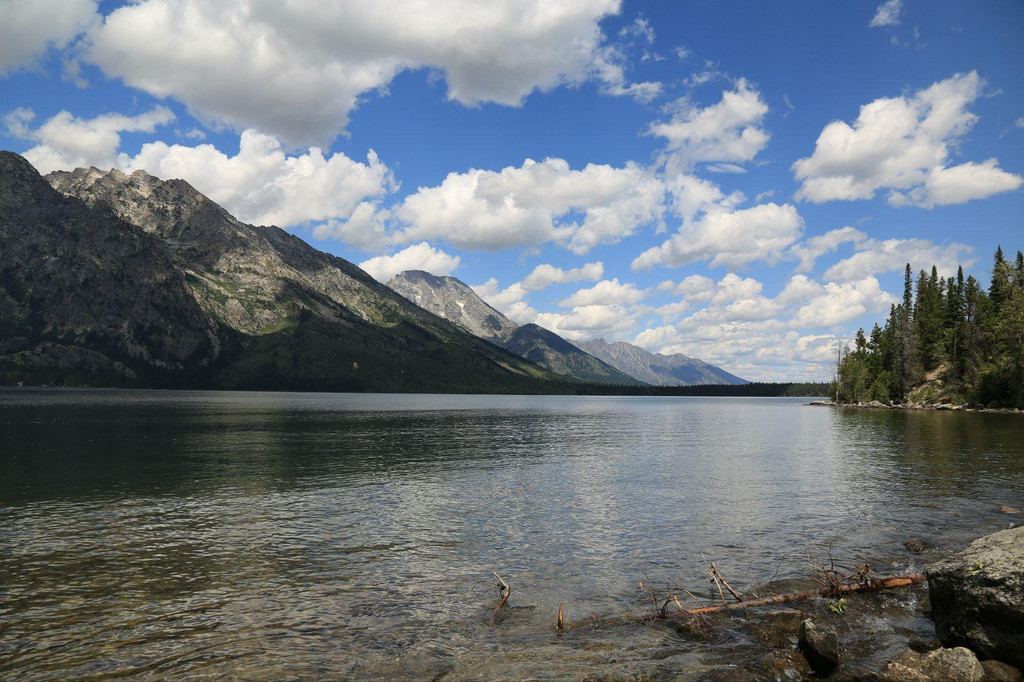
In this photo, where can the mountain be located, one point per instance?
(453, 300)
(551, 351)
(131, 280)
(657, 369)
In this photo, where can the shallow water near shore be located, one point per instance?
(269, 535)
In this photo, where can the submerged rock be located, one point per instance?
(820, 645)
(977, 597)
(915, 545)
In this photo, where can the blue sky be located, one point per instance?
(741, 182)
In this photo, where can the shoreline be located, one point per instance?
(933, 407)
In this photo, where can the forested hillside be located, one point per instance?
(968, 342)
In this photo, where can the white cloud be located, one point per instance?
(66, 142)
(730, 238)
(694, 289)
(891, 255)
(958, 185)
(887, 14)
(297, 69)
(502, 299)
(29, 28)
(264, 185)
(809, 250)
(902, 144)
(544, 275)
(840, 303)
(728, 132)
(609, 291)
(592, 321)
(261, 184)
(420, 256)
(534, 204)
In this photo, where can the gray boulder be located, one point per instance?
(977, 597)
(820, 646)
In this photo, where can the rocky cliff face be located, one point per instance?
(453, 300)
(657, 369)
(135, 280)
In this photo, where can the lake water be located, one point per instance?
(269, 535)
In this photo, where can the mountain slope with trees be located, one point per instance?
(965, 341)
(109, 279)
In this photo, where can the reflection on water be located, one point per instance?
(266, 535)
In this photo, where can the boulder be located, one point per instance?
(951, 665)
(1000, 672)
(977, 597)
(820, 646)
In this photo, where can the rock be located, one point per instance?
(1006, 509)
(952, 665)
(785, 665)
(778, 629)
(956, 665)
(977, 597)
(923, 646)
(897, 672)
(914, 545)
(996, 671)
(820, 645)
(730, 674)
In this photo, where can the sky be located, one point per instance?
(741, 182)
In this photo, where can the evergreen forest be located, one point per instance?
(950, 340)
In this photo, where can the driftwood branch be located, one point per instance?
(871, 585)
(505, 591)
(725, 583)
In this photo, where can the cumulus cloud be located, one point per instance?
(839, 303)
(261, 184)
(544, 275)
(730, 238)
(297, 69)
(958, 185)
(809, 250)
(728, 132)
(592, 321)
(902, 144)
(609, 291)
(891, 255)
(752, 335)
(510, 299)
(28, 29)
(68, 142)
(887, 14)
(420, 256)
(264, 185)
(534, 204)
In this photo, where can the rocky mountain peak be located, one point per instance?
(20, 183)
(451, 299)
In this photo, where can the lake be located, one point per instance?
(272, 536)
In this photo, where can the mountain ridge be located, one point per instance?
(657, 369)
(454, 300)
(131, 280)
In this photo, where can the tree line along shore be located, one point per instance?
(950, 341)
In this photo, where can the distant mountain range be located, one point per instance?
(596, 361)
(655, 368)
(453, 300)
(113, 279)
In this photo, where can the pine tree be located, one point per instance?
(1000, 279)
